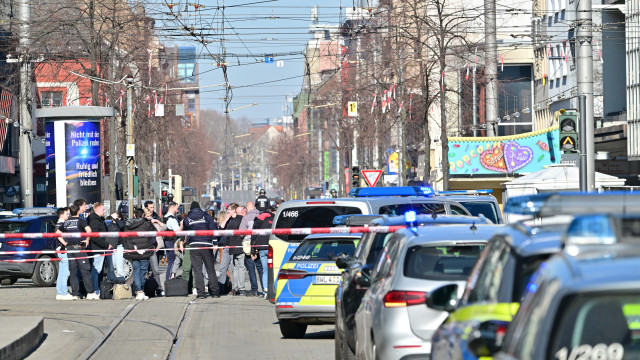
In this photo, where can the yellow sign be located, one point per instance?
(567, 140)
(352, 109)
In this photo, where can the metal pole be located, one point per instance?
(491, 65)
(475, 104)
(26, 152)
(130, 159)
(583, 144)
(585, 87)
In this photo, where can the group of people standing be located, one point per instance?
(193, 257)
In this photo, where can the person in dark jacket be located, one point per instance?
(236, 252)
(197, 219)
(97, 224)
(260, 244)
(262, 202)
(139, 250)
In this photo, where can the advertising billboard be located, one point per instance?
(82, 160)
(517, 154)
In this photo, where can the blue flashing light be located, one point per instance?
(340, 219)
(526, 205)
(532, 288)
(466, 192)
(410, 217)
(392, 191)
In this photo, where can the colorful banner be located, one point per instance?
(327, 166)
(524, 153)
(82, 160)
(393, 164)
(50, 164)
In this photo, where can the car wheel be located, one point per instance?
(128, 269)
(8, 281)
(45, 274)
(292, 330)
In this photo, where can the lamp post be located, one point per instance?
(130, 145)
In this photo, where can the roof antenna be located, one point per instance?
(473, 226)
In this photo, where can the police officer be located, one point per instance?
(197, 219)
(334, 193)
(262, 202)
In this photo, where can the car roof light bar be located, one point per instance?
(392, 191)
(466, 192)
(576, 203)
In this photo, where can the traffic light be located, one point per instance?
(355, 176)
(165, 197)
(568, 120)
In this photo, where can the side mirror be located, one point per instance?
(363, 278)
(444, 298)
(486, 339)
(342, 262)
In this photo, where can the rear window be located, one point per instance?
(419, 208)
(441, 262)
(310, 216)
(13, 227)
(379, 242)
(324, 250)
(485, 208)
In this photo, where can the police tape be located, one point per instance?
(214, 233)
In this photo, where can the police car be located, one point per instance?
(581, 306)
(499, 281)
(308, 281)
(477, 202)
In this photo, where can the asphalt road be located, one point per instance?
(161, 328)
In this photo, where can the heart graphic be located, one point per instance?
(493, 159)
(516, 156)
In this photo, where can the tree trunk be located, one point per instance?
(443, 127)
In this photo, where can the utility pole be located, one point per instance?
(491, 66)
(26, 152)
(585, 88)
(130, 145)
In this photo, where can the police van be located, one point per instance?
(366, 201)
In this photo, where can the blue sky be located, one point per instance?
(263, 27)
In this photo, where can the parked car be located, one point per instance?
(392, 321)
(308, 281)
(351, 290)
(580, 305)
(43, 273)
(477, 202)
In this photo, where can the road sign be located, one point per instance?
(371, 176)
(131, 150)
(268, 59)
(352, 109)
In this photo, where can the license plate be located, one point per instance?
(327, 280)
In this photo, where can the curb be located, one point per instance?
(22, 335)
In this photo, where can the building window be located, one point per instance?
(51, 98)
(186, 73)
(191, 105)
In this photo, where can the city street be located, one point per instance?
(160, 328)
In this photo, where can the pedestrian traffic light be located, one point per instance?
(355, 176)
(165, 198)
(568, 120)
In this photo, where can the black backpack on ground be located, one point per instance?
(106, 289)
(176, 287)
(150, 287)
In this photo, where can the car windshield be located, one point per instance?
(13, 227)
(419, 208)
(441, 262)
(485, 208)
(324, 250)
(310, 216)
(597, 326)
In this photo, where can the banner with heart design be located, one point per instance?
(516, 154)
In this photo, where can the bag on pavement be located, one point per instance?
(150, 287)
(122, 292)
(106, 289)
(176, 287)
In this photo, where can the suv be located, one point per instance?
(476, 202)
(351, 290)
(578, 306)
(392, 321)
(43, 273)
